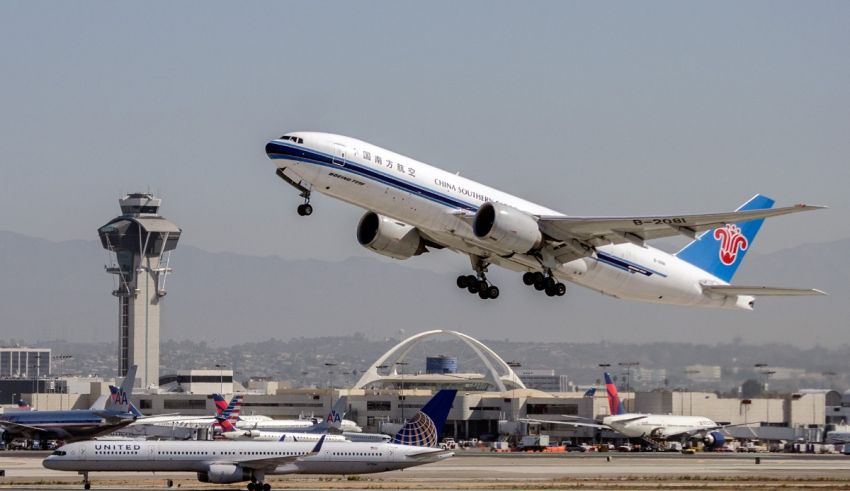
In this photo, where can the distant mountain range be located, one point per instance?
(51, 290)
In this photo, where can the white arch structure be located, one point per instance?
(501, 374)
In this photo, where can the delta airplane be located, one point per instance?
(652, 427)
(225, 462)
(413, 207)
(105, 416)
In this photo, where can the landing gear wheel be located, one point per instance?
(484, 294)
(560, 289)
(539, 286)
(462, 281)
(473, 287)
(305, 210)
(87, 485)
(251, 486)
(493, 292)
(528, 278)
(267, 487)
(538, 277)
(550, 291)
(549, 282)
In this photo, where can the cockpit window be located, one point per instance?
(293, 139)
(59, 453)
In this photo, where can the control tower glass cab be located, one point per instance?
(141, 240)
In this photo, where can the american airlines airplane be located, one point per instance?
(413, 207)
(225, 462)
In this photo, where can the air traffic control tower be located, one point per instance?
(141, 240)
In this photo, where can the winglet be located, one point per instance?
(282, 438)
(318, 446)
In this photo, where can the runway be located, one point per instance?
(501, 471)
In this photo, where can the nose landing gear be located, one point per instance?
(305, 209)
(545, 282)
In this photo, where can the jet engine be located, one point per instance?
(713, 440)
(224, 474)
(506, 228)
(389, 237)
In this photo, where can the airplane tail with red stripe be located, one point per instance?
(615, 405)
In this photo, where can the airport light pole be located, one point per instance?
(220, 378)
(514, 412)
(331, 366)
(401, 365)
(628, 366)
(688, 374)
(762, 368)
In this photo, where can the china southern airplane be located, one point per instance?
(651, 427)
(105, 416)
(225, 462)
(413, 207)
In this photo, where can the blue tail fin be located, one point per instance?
(720, 251)
(425, 429)
(590, 392)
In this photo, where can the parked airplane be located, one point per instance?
(652, 427)
(105, 416)
(229, 462)
(434, 406)
(334, 422)
(413, 207)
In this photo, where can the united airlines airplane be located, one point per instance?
(225, 462)
(413, 207)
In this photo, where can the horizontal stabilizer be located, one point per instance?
(760, 290)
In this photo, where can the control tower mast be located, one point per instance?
(141, 240)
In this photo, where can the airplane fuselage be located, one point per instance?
(201, 456)
(658, 425)
(435, 201)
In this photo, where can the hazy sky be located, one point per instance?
(589, 108)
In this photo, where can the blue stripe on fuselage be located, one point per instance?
(278, 150)
(626, 265)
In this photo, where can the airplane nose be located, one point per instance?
(270, 147)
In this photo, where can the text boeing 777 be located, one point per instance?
(413, 207)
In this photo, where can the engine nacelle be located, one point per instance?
(506, 229)
(224, 474)
(388, 237)
(713, 440)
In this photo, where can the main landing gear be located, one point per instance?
(478, 283)
(545, 282)
(257, 483)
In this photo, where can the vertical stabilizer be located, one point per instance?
(615, 405)
(426, 427)
(721, 250)
(119, 399)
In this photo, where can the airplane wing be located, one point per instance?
(26, 431)
(431, 452)
(599, 231)
(760, 290)
(568, 423)
(270, 463)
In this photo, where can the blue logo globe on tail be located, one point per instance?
(424, 429)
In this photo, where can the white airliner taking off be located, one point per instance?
(413, 207)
